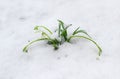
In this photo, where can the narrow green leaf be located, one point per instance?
(61, 24)
(25, 49)
(75, 31)
(59, 30)
(99, 48)
(84, 32)
(68, 26)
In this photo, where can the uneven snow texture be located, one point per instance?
(100, 18)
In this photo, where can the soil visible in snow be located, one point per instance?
(100, 18)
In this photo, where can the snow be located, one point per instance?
(100, 18)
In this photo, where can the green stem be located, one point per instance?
(99, 48)
(46, 29)
(45, 34)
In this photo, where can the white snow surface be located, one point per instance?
(100, 18)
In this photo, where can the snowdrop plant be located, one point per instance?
(62, 31)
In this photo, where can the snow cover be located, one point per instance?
(100, 18)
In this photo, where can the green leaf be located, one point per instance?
(84, 32)
(61, 24)
(75, 31)
(68, 26)
(62, 32)
(99, 48)
(25, 49)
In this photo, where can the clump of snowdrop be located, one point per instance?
(60, 36)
